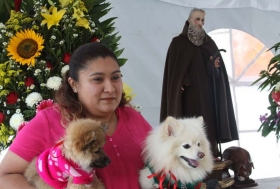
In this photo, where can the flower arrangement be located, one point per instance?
(36, 43)
(271, 80)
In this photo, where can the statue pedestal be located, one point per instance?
(244, 184)
(220, 172)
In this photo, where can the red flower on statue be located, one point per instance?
(66, 58)
(2, 117)
(12, 98)
(29, 81)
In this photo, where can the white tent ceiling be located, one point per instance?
(270, 5)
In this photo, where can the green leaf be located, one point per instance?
(98, 8)
(267, 128)
(88, 4)
(27, 6)
(107, 23)
(58, 52)
(257, 80)
(118, 52)
(122, 61)
(276, 46)
(277, 130)
(5, 8)
(260, 128)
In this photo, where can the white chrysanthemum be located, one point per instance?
(277, 87)
(33, 98)
(64, 69)
(37, 71)
(16, 120)
(9, 34)
(54, 82)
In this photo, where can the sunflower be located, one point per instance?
(25, 46)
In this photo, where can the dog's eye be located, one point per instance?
(198, 144)
(97, 152)
(187, 146)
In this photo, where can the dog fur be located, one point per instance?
(179, 146)
(82, 144)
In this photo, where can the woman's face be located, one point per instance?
(100, 86)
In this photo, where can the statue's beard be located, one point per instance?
(196, 35)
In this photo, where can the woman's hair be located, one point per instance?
(69, 104)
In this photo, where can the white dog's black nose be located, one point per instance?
(200, 155)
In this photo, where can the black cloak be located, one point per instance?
(189, 66)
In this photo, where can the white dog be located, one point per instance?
(177, 152)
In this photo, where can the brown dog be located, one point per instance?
(241, 162)
(79, 152)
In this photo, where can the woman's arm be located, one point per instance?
(12, 168)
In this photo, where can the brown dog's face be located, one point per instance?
(245, 169)
(84, 143)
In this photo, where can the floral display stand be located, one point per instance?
(270, 80)
(37, 38)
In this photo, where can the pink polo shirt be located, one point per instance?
(123, 147)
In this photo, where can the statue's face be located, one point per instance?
(245, 170)
(197, 20)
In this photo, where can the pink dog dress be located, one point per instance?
(55, 169)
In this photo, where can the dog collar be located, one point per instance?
(162, 180)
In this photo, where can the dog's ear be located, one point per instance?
(89, 141)
(252, 164)
(104, 126)
(171, 125)
(200, 118)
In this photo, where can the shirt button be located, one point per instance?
(110, 139)
(118, 154)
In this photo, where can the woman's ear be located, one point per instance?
(73, 84)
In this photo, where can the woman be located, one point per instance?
(91, 88)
